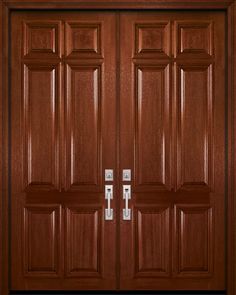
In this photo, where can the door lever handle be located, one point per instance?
(127, 197)
(109, 197)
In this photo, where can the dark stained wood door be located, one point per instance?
(63, 124)
(143, 91)
(172, 138)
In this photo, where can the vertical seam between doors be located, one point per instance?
(117, 72)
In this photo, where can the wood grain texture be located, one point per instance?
(152, 150)
(194, 37)
(194, 90)
(232, 89)
(42, 231)
(83, 238)
(196, 154)
(4, 158)
(83, 133)
(193, 238)
(59, 155)
(41, 127)
(42, 39)
(231, 246)
(121, 4)
(152, 39)
(83, 40)
(152, 242)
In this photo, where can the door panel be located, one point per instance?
(172, 138)
(41, 127)
(194, 97)
(153, 103)
(62, 116)
(83, 237)
(152, 38)
(193, 238)
(83, 40)
(42, 222)
(152, 236)
(194, 38)
(42, 38)
(83, 131)
(152, 130)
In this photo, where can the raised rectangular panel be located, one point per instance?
(41, 37)
(84, 127)
(83, 39)
(195, 37)
(152, 39)
(41, 240)
(40, 122)
(152, 241)
(152, 163)
(193, 240)
(83, 242)
(194, 128)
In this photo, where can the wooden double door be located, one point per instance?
(140, 96)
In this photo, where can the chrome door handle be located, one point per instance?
(127, 197)
(108, 197)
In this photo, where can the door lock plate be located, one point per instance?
(126, 175)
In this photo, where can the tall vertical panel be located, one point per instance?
(41, 107)
(194, 109)
(152, 127)
(84, 124)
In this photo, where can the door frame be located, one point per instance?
(6, 6)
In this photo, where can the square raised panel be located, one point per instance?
(194, 38)
(83, 39)
(152, 39)
(41, 37)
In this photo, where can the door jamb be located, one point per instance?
(6, 6)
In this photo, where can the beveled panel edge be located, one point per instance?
(54, 52)
(164, 52)
(93, 187)
(54, 185)
(178, 228)
(179, 52)
(208, 185)
(83, 53)
(158, 209)
(89, 209)
(164, 66)
(57, 210)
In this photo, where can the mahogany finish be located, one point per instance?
(62, 117)
(60, 200)
(173, 137)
